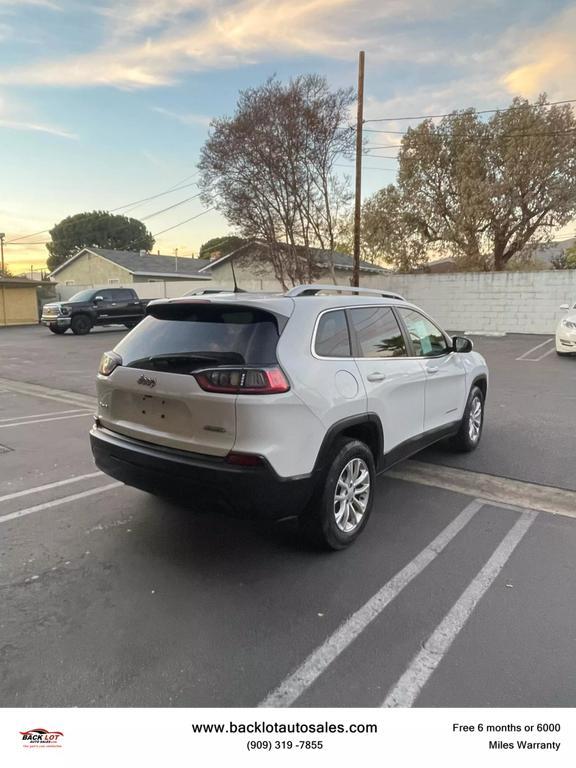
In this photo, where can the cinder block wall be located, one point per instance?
(496, 302)
(493, 302)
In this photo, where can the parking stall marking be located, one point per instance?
(525, 357)
(58, 502)
(318, 661)
(48, 393)
(49, 486)
(45, 421)
(504, 491)
(6, 420)
(423, 665)
(537, 360)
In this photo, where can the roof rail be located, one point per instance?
(312, 290)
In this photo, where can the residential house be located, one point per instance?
(101, 266)
(252, 267)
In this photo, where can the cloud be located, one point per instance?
(41, 3)
(189, 35)
(546, 60)
(36, 127)
(13, 116)
(186, 118)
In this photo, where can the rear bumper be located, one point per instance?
(205, 480)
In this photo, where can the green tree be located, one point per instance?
(99, 229)
(222, 245)
(388, 233)
(488, 189)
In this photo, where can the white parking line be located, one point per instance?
(490, 488)
(410, 684)
(48, 486)
(57, 502)
(49, 393)
(549, 352)
(44, 421)
(525, 355)
(42, 415)
(296, 683)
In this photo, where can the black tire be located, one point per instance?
(81, 325)
(319, 521)
(57, 329)
(563, 354)
(131, 325)
(466, 439)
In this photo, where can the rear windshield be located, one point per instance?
(185, 339)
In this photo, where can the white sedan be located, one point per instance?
(566, 331)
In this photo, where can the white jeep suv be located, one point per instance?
(283, 405)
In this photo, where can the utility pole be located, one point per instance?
(2, 236)
(358, 191)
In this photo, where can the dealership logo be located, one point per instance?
(147, 381)
(40, 737)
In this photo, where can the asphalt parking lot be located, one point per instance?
(460, 592)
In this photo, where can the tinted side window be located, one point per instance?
(427, 339)
(378, 332)
(332, 339)
(124, 295)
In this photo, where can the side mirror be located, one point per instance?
(462, 344)
(96, 299)
(565, 307)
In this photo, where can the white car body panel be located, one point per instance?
(566, 334)
(288, 429)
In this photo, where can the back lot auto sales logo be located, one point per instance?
(40, 737)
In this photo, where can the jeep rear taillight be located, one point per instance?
(243, 381)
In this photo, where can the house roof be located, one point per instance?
(340, 260)
(549, 251)
(144, 264)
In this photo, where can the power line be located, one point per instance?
(124, 225)
(170, 207)
(174, 188)
(152, 197)
(180, 223)
(366, 167)
(477, 111)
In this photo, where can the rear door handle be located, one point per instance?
(432, 369)
(376, 376)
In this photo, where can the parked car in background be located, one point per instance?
(566, 331)
(284, 405)
(207, 291)
(90, 307)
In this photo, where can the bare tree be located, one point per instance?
(488, 190)
(270, 170)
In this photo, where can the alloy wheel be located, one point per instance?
(475, 419)
(351, 495)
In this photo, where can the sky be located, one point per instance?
(105, 102)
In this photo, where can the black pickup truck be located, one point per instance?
(102, 306)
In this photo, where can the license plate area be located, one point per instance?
(156, 411)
